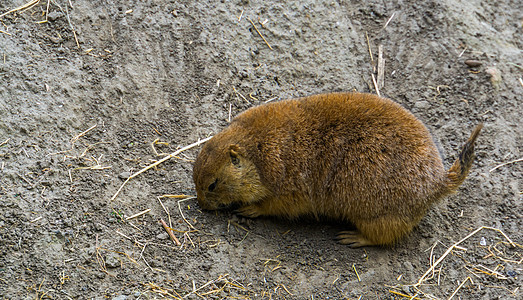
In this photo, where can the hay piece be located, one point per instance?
(431, 269)
(159, 162)
(255, 28)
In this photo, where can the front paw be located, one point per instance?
(249, 211)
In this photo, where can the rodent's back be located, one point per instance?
(352, 155)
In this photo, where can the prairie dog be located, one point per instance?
(351, 157)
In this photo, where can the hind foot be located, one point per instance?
(353, 238)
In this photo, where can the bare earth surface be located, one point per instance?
(84, 96)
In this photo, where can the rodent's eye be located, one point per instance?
(212, 186)
(235, 161)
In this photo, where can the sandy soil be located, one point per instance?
(84, 96)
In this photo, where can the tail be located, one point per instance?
(461, 167)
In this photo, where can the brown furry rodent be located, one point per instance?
(344, 156)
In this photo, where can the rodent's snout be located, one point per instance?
(210, 204)
(205, 205)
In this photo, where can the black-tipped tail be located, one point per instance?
(461, 167)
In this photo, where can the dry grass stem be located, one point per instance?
(388, 21)
(170, 232)
(186, 236)
(159, 162)
(242, 96)
(142, 257)
(46, 13)
(66, 12)
(498, 256)
(271, 99)
(138, 214)
(34, 220)
(95, 167)
(381, 67)
(74, 139)
(356, 271)
(162, 291)
(285, 288)
(25, 179)
(252, 97)
(462, 52)
(154, 149)
(4, 142)
(236, 225)
(99, 258)
(268, 264)
(431, 269)
(121, 253)
(432, 257)
(368, 44)
(90, 147)
(507, 163)
(438, 90)
(203, 286)
(375, 85)
(181, 196)
(166, 211)
(403, 295)
(183, 217)
(459, 287)
(240, 17)
(255, 28)
(23, 7)
(129, 238)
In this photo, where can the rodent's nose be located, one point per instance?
(200, 197)
(205, 204)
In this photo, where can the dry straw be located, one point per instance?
(174, 154)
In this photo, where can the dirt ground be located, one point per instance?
(104, 88)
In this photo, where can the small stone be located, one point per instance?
(98, 226)
(124, 175)
(495, 76)
(162, 236)
(422, 104)
(53, 16)
(473, 63)
(511, 273)
(112, 261)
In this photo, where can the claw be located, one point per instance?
(353, 239)
(249, 211)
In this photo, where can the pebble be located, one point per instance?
(495, 75)
(124, 175)
(162, 236)
(53, 16)
(112, 261)
(473, 63)
(422, 104)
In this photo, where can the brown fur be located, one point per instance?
(346, 156)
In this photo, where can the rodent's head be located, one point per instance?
(223, 175)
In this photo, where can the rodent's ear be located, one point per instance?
(234, 152)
